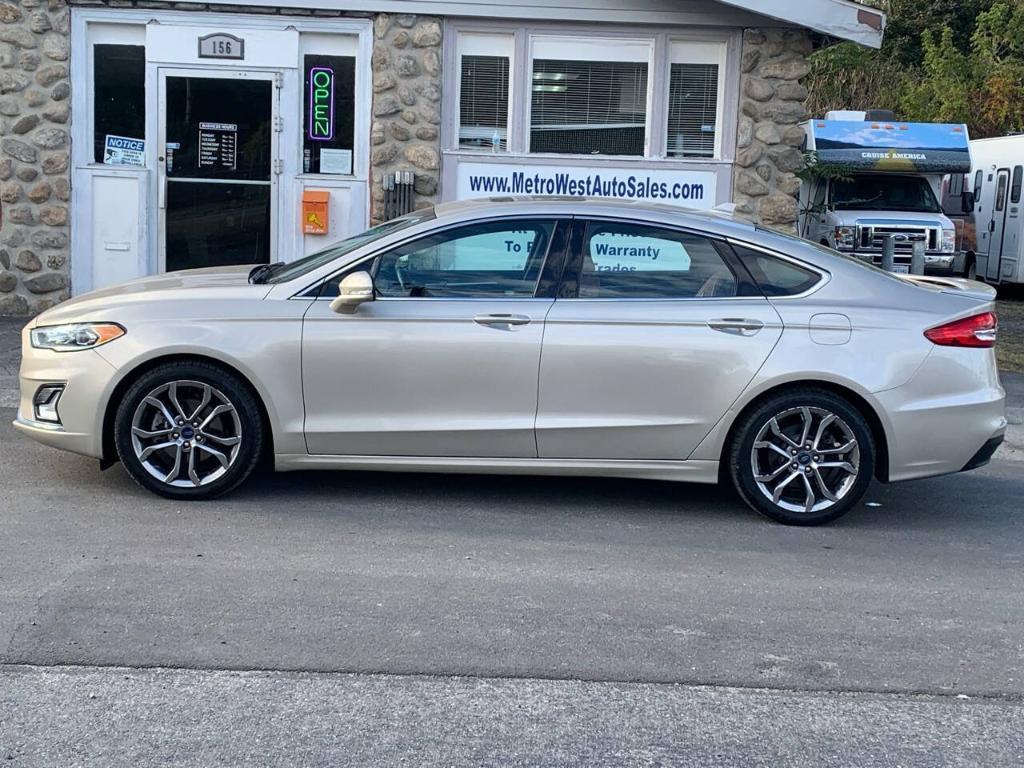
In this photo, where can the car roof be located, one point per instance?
(707, 220)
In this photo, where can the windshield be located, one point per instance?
(883, 192)
(316, 260)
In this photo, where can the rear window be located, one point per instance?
(774, 276)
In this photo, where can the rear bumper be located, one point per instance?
(946, 417)
(984, 454)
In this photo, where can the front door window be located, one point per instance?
(493, 259)
(218, 156)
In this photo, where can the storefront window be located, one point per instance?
(589, 97)
(693, 104)
(329, 109)
(485, 66)
(483, 103)
(119, 104)
(693, 100)
(588, 107)
(650, 94)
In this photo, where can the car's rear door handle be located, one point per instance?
(503, 321)
(737, 325)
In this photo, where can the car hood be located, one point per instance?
(210, 283)
(884, 218)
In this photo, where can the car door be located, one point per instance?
(444, 360)
(660, 332)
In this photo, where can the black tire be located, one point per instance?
(787, 408)
(971, 270)
(246, 417)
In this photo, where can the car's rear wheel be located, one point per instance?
(803, 457)
(189, 430)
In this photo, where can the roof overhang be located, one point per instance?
(837, 18)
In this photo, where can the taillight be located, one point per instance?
(974, 331)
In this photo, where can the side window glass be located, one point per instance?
(500, 259)
(977, 186)
(776, 277)
(638, 262)
(1001, 192)
(1015, 185)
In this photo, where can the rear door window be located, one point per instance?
(633, 261)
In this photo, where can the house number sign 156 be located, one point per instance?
(221, 45)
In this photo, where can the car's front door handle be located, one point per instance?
(503, 321)
(737, 325)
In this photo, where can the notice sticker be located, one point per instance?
(122, 150)
(336, 161)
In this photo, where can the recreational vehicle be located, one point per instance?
(884, 181)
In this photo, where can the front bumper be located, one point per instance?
(87, 380)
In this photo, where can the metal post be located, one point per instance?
(917, 259)
(888, 252)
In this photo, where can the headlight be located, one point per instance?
(845, 237)
(948, 241)
(75, 336)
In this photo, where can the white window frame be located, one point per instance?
(476, 44)
(684, 51)
(665, 48)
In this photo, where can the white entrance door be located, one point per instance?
(217, 167)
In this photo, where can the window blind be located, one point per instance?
(483, 103)
(588, 107)
(692, 110)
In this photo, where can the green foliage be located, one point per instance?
(959, 61)
(813, 169)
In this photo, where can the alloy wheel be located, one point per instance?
(186, 433)
(805, 459)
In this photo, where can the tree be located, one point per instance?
(943, 61)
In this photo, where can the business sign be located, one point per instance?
(686, 189)
(221, 45)
(321, 104)
(122, 150)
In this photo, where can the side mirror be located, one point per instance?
(353, 290)
(967, 205)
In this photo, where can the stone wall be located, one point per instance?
(405, 134)
(769, 138)
(34, 163)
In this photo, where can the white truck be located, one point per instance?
(990, 199)
(891, 174)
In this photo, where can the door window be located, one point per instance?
(1001, 192)
(776, 277)
(119, 104)
(640, 262)
(328, 114)
(491, 259)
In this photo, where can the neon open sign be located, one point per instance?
(321, 104)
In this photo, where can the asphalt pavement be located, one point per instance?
(389, 619)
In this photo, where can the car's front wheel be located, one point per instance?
(189, 430)
(803, 457)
